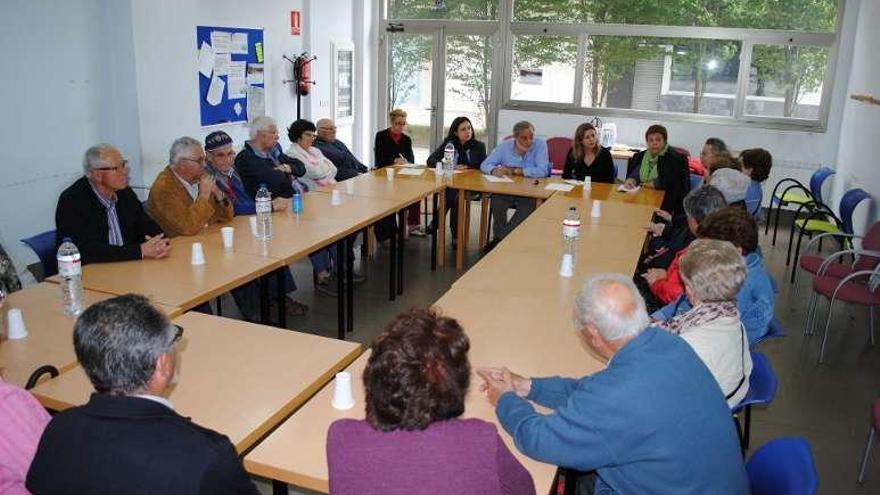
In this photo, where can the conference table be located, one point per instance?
(238, 378)
(50, 331)
(517, 312)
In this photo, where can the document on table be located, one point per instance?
(411, 171)
(622, 188)
(492, 178)
(574, 182)
(555, 186)
(215, 91)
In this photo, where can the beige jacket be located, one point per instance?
(174, 210)
(724, 349)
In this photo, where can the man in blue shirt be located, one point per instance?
(523, 155)
(654, 421)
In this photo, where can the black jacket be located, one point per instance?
(385, 150)
(471, 153)
(601, 170)
(673, 177)
(81, 216)
(131, 445)
(254, 171)
(347, 165)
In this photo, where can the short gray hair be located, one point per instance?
(261, 123)
(703, 201)
(181, 148)
(521, 126)
(732, 183)
(118, 340)
(713, 270)
(323, 121)
(615, 318)
(94, 157)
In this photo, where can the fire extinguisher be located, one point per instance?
(302, 73)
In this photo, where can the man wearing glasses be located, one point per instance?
(184, 198)
(103, 216)
(347, 165)
(128, 438)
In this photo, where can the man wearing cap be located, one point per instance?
(347, 165)
(103, 216)
(184, 199)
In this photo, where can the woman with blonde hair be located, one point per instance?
(393, 147)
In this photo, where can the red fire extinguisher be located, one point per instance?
(302, 73)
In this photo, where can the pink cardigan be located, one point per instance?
(22, 421)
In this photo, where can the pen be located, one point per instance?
(404, 158)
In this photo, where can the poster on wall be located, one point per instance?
(230, 71)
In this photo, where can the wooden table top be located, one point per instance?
(283, 369)
(611, 211)
(608, 192)
(50, 332)
(474, 180)
(403, 189)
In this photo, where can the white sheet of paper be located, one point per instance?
(622, 188)
(256, 102)
(206, 60)
(215, 91)
(221, 64)
(492, 178)
(236, 82)
(555, 186)
(411, 171)
(221, 40)
(574, 182)
(255, 74)
(239, 43)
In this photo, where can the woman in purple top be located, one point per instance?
(412, 441)
(22, 421)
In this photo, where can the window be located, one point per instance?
(786, 81)
(460, 10)
(543, 68)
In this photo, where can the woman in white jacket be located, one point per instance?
(320, 171)
(713, 272)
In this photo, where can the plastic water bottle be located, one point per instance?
(70, 271)
(297, 203)
(449, 159)
(264, 213)
(571, 230)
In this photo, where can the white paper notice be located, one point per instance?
(622, 188)
(206, 60)
(221, 64)
(221, 40)
(236, 81)
(239, 43)
(411, 171)
(574, 182)
(256, 102)
(215, 91)
(492, 178)
(555, 186)
(255, 74)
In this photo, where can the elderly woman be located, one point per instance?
(393, 147)
(756, 163)
(713, 272)
(412, 440)
(660, 167)
(587, 159)
(22, 421)
(756, 297)
(319, 170)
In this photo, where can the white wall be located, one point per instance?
(860, 129)
(68, 81)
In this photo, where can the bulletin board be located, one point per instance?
(231, 74)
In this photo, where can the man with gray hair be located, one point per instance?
(128, 438)
(653, 421)
(183, 198)
(103, 216)
(347, 165)
(526, 156)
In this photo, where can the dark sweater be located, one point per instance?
(385, 150)
(601, 170)
(81, 216)
(347, 165)
(132, 445)
(673, 176)
(471, 153)
(461, 456)
(255, 170)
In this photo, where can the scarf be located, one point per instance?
(699, 315)
(648, 169)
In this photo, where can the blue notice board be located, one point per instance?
(244, 46)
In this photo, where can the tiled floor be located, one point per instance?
(827, 404)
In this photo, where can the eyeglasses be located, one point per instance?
(200, 161)
(327, 128)
(115, 169)
(308, 134)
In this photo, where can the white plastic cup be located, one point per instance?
(228, 234)
(342, 396)
(15, 321)
(253, 222)
(335, 198)
(198, 254)
(349, 186)
(587, 183)
(389, 173)
(566, 268)
(596, 210)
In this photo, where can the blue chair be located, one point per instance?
(795, 193)
(822, 220)
(762, 391)
(783, 467)
(774, 331)
(46, 249)
(696, 181)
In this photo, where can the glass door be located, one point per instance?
(410, 77)
(468, 82)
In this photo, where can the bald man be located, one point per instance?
(347, 165)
